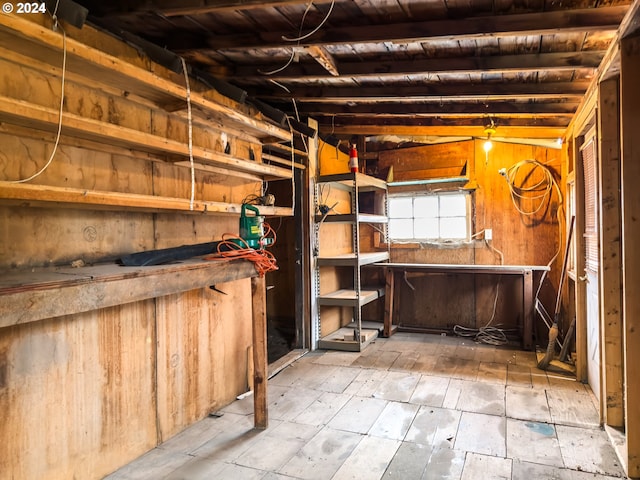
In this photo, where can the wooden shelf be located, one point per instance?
(337, 340)
(281, 161)
(349, 298)
(35, 116)
(36, 41)
(48, 196)
(52, 292)
(350, 259)
(345, 181)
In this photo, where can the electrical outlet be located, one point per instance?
(488, 234)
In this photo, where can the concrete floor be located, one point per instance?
(408, 407)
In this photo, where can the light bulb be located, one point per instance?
(487, 146)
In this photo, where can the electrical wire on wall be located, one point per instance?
(190, 124)
(56, 26)
(541, 192)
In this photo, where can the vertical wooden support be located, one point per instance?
(260, 375)
(528, 309)
(611, 326)
(388, 302)
(579, 255)
(630, 173)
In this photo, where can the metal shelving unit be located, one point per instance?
(358, 334)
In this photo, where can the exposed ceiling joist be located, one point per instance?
(447, 130)
(324, 58)
(431, 93)
(172, 8)
(430, 109)
(497, 26)
(378, 69)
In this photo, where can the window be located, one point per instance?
(436, 217)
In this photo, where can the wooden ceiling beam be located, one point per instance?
(381, 69)
(445, 130)
(432, 92)
(495, 26)
(430, 109)
(324, 58)
(173, 8)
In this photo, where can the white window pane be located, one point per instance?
(426, 206)
(426, 228)
(453, 205)
(453, 227)
(401, 228)
(400, 207)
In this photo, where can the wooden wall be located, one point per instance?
(441, 301)
(86, 393)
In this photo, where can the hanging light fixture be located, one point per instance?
(489, 130)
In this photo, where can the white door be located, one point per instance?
(590, 167)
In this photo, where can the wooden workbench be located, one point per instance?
(43, 293)
(525, 271)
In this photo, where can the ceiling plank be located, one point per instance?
(434, 92)
(380, 69)
(497, 26)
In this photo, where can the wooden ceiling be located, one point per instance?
(372, 67)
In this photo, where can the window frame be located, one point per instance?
(469, 205)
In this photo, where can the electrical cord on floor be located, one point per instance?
(491, 335)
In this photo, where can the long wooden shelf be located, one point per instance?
(48, 196)
(39, 42)
(52, 292)
(36, 116)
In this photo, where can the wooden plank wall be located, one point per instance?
(630, 171)
(522, 240)
(85, 394)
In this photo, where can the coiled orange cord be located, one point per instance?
(232, 247)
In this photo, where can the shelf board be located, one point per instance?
(43, 44)
(336, 340)
(351, 218)
(49, 196)
(281, 161)
(347, 181)
(285, 149)
(30, 115)
(350, 259)
(38, 294)
(349, 298)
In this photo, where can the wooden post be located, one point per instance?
(611, 325)
(259, 303)
(630, 173)
(388, 302)
(528, 310)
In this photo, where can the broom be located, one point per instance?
(553, 331)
